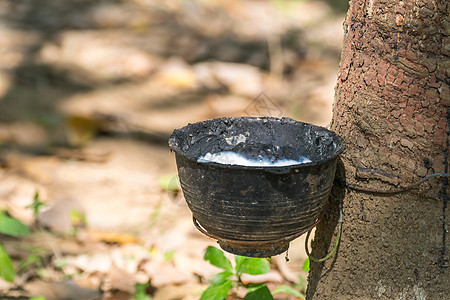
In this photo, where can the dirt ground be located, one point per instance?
(89, 94)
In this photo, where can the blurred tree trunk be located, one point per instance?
(392, 108)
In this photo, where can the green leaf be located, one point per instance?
(37, 298)
(169, 255)
(253, 287)
(239, 259)
(258, 292)
(217, 292)
(169, 183)
(6, 267)
(306, 265)
(301, 284)
(217, 258)
(36, 205)
(254, 266)
(140, 291)
(32, 261)
(77, 218)
(221, 277)
(11, 226)
(288, 290)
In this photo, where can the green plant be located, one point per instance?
(155, 214)
(168, 255)
(169, 183)
(306, 265)
(34, 260)
(6, 267)
(78, 219)
(36, 205)
(12, 227)
(141, 291)
(224, 282)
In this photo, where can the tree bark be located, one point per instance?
(392, 109)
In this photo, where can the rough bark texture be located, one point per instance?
(391, 107)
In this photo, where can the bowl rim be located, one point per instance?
(272, 169)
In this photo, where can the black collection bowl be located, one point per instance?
(256, 210)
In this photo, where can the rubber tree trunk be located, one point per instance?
(392, 108)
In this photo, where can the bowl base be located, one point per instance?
(261, 249)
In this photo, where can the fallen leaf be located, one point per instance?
(120, 279)
(163, 274)
(67, 290)
(92, 235)
(96, 262)
(177, 73)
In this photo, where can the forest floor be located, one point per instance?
(90, 92)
